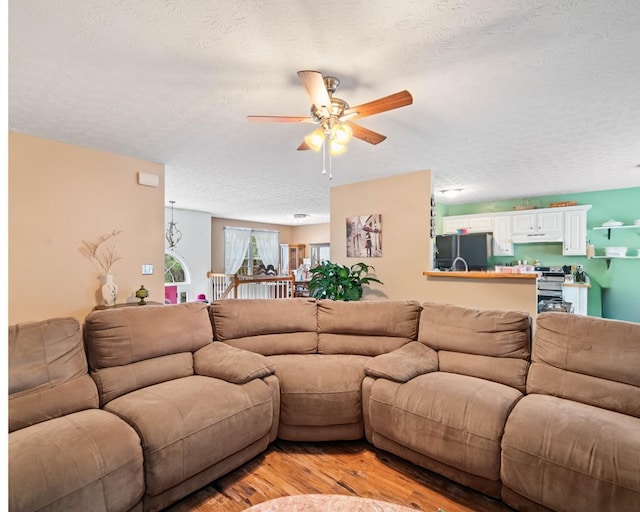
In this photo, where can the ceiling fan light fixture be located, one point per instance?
(315, 139)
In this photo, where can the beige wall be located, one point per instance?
(311, 234)
(404, 203)
(60, 195)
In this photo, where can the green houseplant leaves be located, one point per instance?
(340, 282)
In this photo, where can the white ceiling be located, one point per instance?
(512, 98)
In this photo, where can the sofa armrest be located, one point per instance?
(405, 363)
(232, 364)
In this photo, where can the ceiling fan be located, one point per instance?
(334, 115)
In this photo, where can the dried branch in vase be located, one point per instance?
(102, 255)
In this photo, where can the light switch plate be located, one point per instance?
(147, 270)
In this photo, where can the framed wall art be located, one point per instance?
(364, 236)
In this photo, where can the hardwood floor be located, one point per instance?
(353, 468)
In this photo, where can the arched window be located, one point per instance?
(175, 270)
(176, 277)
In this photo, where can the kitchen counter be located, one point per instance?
(479, 275)
(483, 290)
(576, 285)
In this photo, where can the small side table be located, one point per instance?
(128, 305)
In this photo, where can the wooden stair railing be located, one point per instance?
(226, 286)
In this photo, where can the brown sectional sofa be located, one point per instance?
(451, 389)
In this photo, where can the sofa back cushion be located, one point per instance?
(489, 344)
(133, 347)
(591, 360)
(267, 326)
(47, 372)
(366, 328)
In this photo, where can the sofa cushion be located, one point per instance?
(267, 326)
(187, 425)
(454, 419)
(119, 380)
(366, 327)
(320, 390)
(552, 445)
(495, 344)
(47, 372)
(472, 331)
(89, 460)
(591, 360)
(116, 337)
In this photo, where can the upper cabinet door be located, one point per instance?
(523, 223)
(549, 222)
(575, 233)
(502, 243)
(470, 223)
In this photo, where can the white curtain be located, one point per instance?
(268, 247)
(236, 244)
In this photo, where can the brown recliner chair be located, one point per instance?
(64, 452)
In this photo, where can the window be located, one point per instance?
(176, 278)
(248, 251)
(174, 270)
(319, 254)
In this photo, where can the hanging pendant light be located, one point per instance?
(173, 234)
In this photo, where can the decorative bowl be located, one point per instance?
(615, 251)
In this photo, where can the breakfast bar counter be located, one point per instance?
(478, 275)
(483, 290)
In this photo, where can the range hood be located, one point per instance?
(531, 238)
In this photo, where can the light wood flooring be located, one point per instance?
(353, 468)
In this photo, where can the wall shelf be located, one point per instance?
(609, 228)
(609, 258)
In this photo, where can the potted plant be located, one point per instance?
(340, 282)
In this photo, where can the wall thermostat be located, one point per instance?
(147, 270)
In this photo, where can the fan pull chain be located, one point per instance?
(330, 167)
(324, 155)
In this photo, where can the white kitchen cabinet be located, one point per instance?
(502, 244)
(567, 225)
(537, 223)
(471, 223)
(578, 295)
(574, 240)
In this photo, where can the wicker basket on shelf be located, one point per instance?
(563, 203)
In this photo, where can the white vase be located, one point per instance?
(109, 291)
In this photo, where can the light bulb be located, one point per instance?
(315, 139)
(341, 133)
(335, 148)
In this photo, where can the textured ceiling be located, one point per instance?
(512, 99)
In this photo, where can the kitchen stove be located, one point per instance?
(549, 286)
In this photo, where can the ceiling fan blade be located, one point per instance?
(303, 146)
(280, 119)
(317, 91)
(362, 133)
(397, 100)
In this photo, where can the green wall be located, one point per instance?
(615, 291)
